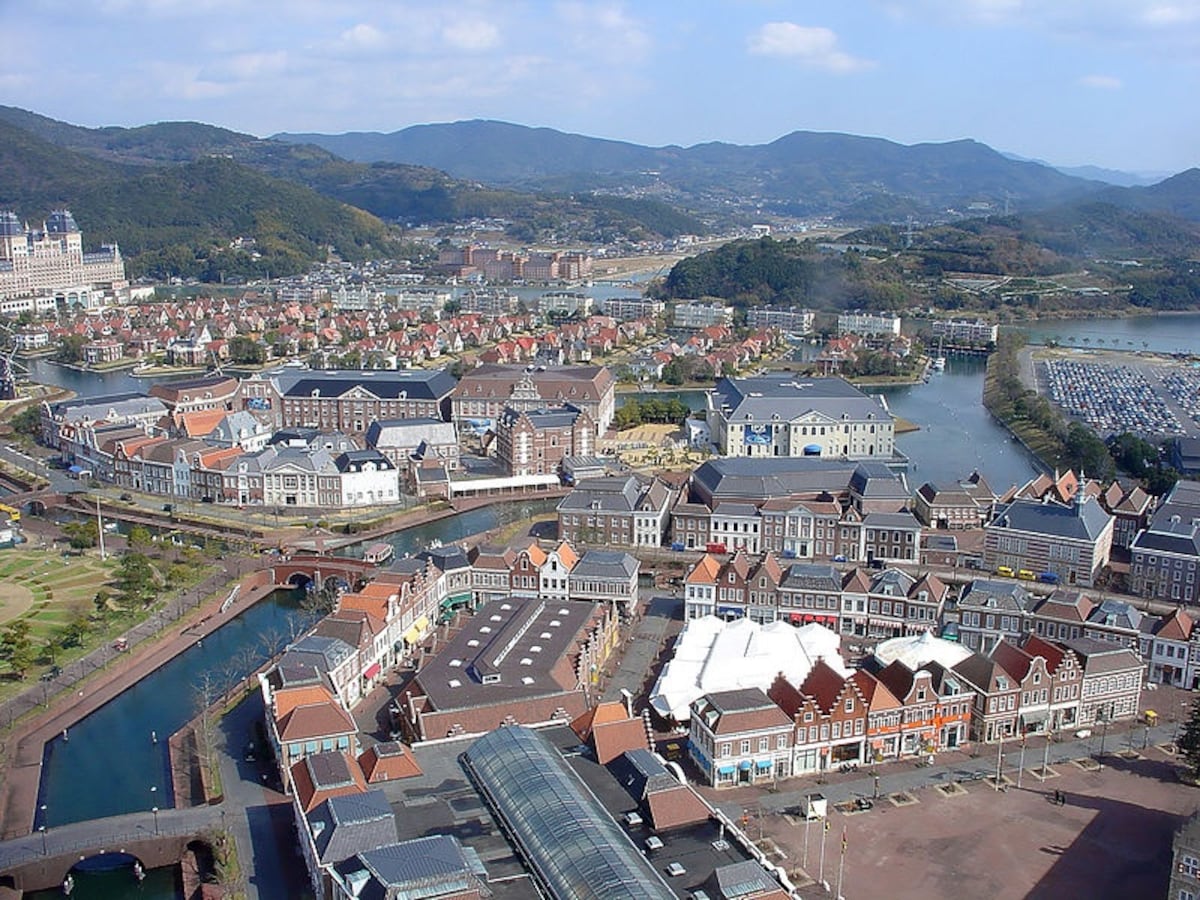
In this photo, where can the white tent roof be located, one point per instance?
(919, 650)
(713, 655)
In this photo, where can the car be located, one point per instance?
(127, 498)
(841, 557)
(1006, 571)
(1026, 575)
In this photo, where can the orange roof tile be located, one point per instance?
(388, 761)
(287, 699)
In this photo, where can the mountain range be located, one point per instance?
(177, 195)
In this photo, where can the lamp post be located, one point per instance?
(1102, 716)
(154, 809)
(42, 829)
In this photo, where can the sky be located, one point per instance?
(1110, 83)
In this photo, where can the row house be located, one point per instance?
(990, 611)
(304, 717)
(561, 573)
(1066, 614)
(1164, 556)
(934, 711)
(615, 511)
(1112, 681)
(740, 737)
(962, 505)
(890, 603)
(411, 443)
(1171, 656)
(484, 392)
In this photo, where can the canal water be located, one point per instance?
(119, 884)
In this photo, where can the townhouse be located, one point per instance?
(1164, 556)
(534, 442)
(739, 737)
(617, 511)
(483, 392)
(990, 611)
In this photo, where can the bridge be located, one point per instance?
(43, 859)
(303, 569)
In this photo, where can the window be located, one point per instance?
(1189, 865)
(745, 746)
(849, 704)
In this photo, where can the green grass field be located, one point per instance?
(50, 591)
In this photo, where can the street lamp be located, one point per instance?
(42, 829)
(154, 810)
(1102, 716)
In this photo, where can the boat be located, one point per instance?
(939, 363)
(68, 884)
(378, 553)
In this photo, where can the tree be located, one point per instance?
(139, 538)
(82, 535)
(76, 629)
(16, 647)
(136, 576)
(1189, 740)
(70, 348)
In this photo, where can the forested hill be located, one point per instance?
(184, 219)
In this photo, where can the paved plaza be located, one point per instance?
(945, 839)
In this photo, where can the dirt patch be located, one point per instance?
(15, 601)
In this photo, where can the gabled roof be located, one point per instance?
(876, 694)
(319, 776)
(352, 823)
(706, 570)
(825, 685)
(1175, 627)
(388, 761)
(1016, 662)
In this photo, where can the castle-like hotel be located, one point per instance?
(40, 269)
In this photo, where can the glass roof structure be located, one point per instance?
(575, 848)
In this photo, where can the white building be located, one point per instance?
(965, 331)
(869, 324)
(787, 415)
(701, 315)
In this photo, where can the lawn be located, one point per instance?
(50, 591)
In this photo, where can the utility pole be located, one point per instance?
(821, 868)
(100, 529)
(999, 760)
(841, 865)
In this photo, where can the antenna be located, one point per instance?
(908, 233)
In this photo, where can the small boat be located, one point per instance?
(138, 872)
(378, 553)
(939, 363)
(68, 884)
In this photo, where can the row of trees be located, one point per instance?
(637, 412)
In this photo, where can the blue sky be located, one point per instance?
(1104, 82)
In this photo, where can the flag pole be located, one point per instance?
(841, 864)
(821, 871)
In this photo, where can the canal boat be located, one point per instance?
(378, 553)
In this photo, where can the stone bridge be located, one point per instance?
(43, 859)
(302, 569)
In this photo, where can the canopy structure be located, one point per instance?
(917, 650)
(714, 655)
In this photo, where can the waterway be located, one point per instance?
(115, 760)
(119, 884)
(1174, 333)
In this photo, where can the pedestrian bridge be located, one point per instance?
(43, 859)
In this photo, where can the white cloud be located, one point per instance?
(1167, 15)
(471, 35)
(1100, 82)
(246, 66)
(363, 36)
(605, 29)
(809, 45)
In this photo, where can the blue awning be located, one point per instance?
(75, 470)
(744, 765)
(725, 770)
(812, 450)
(730, 611)
(763, 763)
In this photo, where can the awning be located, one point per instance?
(762, 763)
(744, 765)
(730, 611)
(371, 671)
(415, 630)
(725, 770)
(454, 601)
(796, 618)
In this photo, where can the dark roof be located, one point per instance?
(432, 866)
(811, 576)
(354, 460)
(1080, 521)
(607, 493)
(411, 384)
(612, 564)
(351, 823)
(752, 479)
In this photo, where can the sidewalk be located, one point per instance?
(19, 793)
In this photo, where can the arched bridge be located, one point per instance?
(302, 569)
(43, 859)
